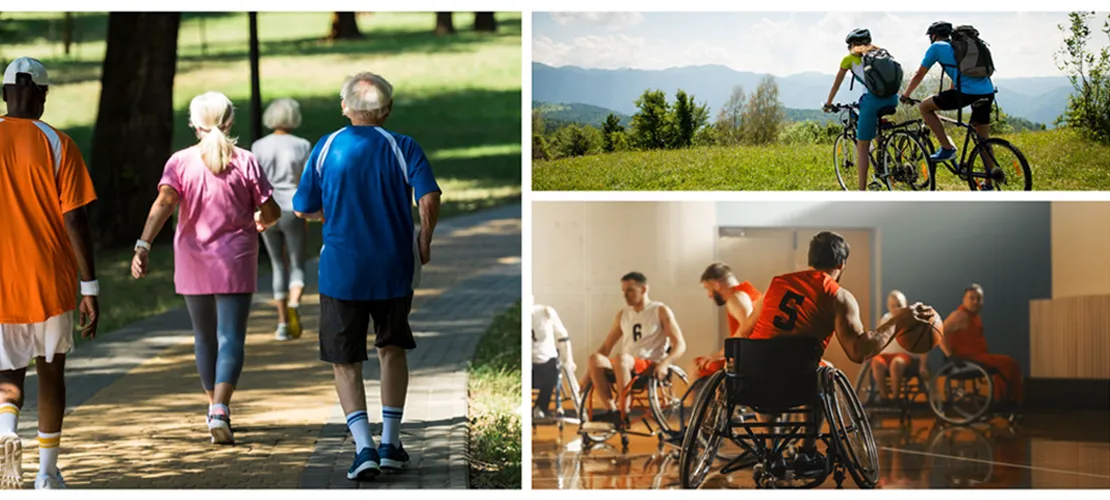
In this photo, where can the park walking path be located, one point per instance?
(135, 416)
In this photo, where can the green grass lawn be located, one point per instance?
(1059, 160)
(458, 96)
(495, 423)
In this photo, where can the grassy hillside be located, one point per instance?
(556, 115)
(1059, 160)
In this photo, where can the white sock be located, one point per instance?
(219, 408)
(48, 452)
(359, 424)
(9, 417)
(391, 425)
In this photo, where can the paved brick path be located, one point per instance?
(136, 409)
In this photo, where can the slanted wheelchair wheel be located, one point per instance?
(866, 388)
(852, 431)
(961, 392)
(592, 432)
(666, 400)
(704, 433)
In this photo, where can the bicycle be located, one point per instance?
(900, 149)
(989, 179)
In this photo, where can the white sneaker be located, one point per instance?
(50, 481)
(282, 333)
(219, 427)
(11, 462)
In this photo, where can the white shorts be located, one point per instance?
(19, 344)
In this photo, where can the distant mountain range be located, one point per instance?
(1039, 99)
(557, 114)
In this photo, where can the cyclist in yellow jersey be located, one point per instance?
(870, 105)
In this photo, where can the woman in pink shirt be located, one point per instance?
(224, 201)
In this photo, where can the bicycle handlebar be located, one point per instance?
(836, 108)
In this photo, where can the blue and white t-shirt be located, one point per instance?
(364, 178)
(943, 53)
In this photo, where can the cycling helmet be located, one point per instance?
(858, 35)
(939, 28)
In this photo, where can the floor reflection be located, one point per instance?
(1046, 450)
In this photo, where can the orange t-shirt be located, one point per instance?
(969, 341)
(42, 176)
(752, 293)
(801, 303)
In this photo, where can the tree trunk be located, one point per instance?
(67, 31)
(444, 23)
(484, 21)
(133, 137)
(256, 87)
(344, 26)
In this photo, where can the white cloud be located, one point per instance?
(611, 20)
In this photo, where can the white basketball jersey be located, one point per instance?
(893, 347)
(543, 335)
(642, 333)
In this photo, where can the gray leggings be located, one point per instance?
(220, 333)
(288, 235)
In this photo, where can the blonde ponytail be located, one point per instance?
(860, 50)
(212, 114)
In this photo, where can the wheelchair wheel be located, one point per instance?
(704, 433)
(666, 400)
(592, 432)
(851, 431)
(571, 391)
(866, 388)
(966, 443)
(961, 392)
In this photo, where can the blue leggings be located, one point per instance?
(220, 333)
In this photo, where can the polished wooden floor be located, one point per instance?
(1045, 450)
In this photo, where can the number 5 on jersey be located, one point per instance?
(789, 305)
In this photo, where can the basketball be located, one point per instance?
(922, 337)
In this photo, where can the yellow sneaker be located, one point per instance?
(294, 322)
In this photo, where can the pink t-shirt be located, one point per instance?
(216, 245)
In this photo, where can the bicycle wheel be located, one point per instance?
(995, 164)
(666, 401)
(704, 434)
(844, 158)
(907, 163)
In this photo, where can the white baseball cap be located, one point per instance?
(27, 65)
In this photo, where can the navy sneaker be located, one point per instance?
(393, 457)
(944, 155)
(365, 466)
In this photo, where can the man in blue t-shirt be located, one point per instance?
(361, 181)
(976, 92)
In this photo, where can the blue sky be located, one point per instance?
(1023, 44)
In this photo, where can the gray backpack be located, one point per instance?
(882, 75)
(973, 56)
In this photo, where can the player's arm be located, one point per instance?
(80, 237)
(562, 338)
(612, 338)
(748, 325)
(927, 62)
(958, 321)
(674, 334)
(858, 343)
(740, 306)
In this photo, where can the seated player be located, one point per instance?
(894, 359)
(645, 335)
(549, 339)
(812, 303)
(963, 337)
(737, 298)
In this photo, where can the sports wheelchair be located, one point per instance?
(778, 377)
(566, 389)
(664, 400)
(914, 392)
(963, 393)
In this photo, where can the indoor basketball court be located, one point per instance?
(1045, 304)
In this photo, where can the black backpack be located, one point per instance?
(882, 75)
(973, 56)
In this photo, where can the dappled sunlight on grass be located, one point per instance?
(495, 421)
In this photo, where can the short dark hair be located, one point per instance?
(635, 276)
(828, 250)
(716, 271)
(974, 287)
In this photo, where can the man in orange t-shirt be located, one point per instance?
(726, 290)
(963, 335)
(45, 247)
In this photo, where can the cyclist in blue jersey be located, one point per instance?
(976, 92)
(361, 180)
(870, 105)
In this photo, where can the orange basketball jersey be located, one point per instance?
(801, 303)
(749, 290)
(969, 341)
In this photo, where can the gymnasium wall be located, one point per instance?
(581, 250)
(1080, 249)
(933, 250)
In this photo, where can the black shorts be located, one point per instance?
(344, 325)
(954, 99)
